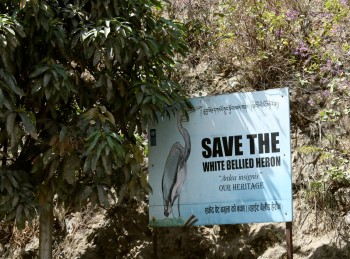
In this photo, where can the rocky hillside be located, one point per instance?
(240, 46)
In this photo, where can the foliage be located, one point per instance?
(79, 80)
(199, 22)
(322, 187)
(273, 42)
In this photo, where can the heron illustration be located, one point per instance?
(175, 170)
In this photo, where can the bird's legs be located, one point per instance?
(178, 205)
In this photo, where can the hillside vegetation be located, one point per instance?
(236, 46)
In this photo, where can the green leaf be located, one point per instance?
(10, 123)
(12, 180)
(139, 97)
(19, 29)
(63, 134)
(53, 167)
(147, 99)
(153, 45)
(70, 167)
(102, 196)
(55, 75)
(48, 93)
(110, 142)
(15, 200)
(5, 56)
(47, 78)
(110, 116)
(109, 83)
(117, 50)
(20, 221)
(37, 86)
(92, 144)
(10, 30)
(1, 98)
(75, 41)
(97, 156)
(89, 51)
(122, 193)
(3, 40)
(11, 83)
(28, 121)
(38, 71)
(11, 215)
(8, 186)
(93, 163)
(93, 134)
(2, 182)
(86, 193)
(97, 57)
(145, 49)
(164, 99)
(106, 162)
(87, 164)
(101, 81)
(27, 213)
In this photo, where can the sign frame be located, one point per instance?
(230, 163)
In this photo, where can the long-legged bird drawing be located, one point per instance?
(175, 170)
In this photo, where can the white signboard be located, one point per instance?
(229, 163)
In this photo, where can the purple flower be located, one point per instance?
(292, 14)
(340, 72)
(344, 2)
(328, 67)
(326, 94)
(311, 102)
(324, 80)
(279, 33)
(302, 50)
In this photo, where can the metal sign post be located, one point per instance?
(155, 247)
(289, 240)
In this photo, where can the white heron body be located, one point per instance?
(175, 170)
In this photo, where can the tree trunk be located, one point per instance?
(46, 224)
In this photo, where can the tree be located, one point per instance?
(79, 80)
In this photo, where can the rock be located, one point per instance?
(342, 197)
(233, 81)
(347, 217)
